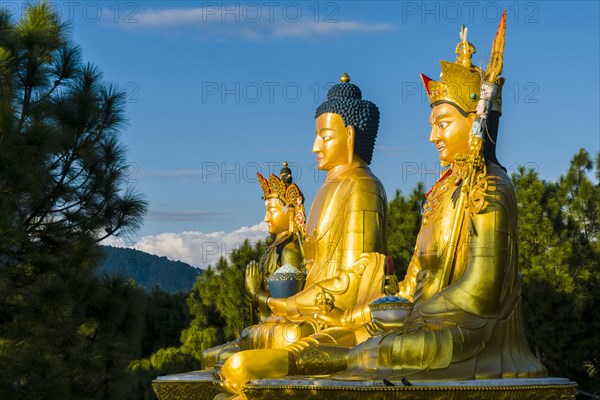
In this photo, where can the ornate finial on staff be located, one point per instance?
(489, 85)
(494, 68)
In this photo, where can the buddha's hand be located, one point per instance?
(277, 306)
(308, 263)
(254, 278)
(334, 317)
(378, 327)
(390, 285)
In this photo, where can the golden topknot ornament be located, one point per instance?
(460, 81)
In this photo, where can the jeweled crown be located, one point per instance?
(460, 81)
(281, 188)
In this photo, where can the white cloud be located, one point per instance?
(197, 248)
(185, 215)
(175, 16)
(313, 29)
(257, 23)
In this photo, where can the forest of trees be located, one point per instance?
(67, 332)
(148, 270)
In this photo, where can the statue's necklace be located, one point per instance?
(434, 197)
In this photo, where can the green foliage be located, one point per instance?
(147, 270)
(404, 222)
(218, 298)
(166, 316)
(64, 333)
(559, 226)
(165, 361)
(41, 320)
(62, 169)
(109, 338)
(219, 311)
(205, 330)
(70, 336)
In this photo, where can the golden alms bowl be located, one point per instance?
(390, 309)
(286, 281)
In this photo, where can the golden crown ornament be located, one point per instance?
(287, 192)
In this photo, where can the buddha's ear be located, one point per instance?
(350, 143)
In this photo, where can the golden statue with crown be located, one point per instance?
(286, 221)
(454, 328)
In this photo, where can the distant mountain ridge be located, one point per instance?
(148, 270)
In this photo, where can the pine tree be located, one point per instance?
(166, 316)
(559, 260)
(578, 222)
(404, 222)
(63, 185)
(108, 339)
(62, 168)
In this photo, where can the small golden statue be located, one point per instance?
(284, 204)
(285, 217)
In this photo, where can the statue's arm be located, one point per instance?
(407, 286)
(363, 231)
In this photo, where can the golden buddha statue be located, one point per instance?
(285, 217)
(466, 320)
(348, 216)
(346, 239)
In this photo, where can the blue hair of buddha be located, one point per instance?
(345, 100)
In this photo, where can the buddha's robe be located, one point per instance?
(472, 326)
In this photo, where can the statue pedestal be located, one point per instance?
(492, 389)
(195, 385)
(199, 385)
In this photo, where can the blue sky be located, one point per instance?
(218, 91)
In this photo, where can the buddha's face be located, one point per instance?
(333, 143)
(450, 132)
(277, 219)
